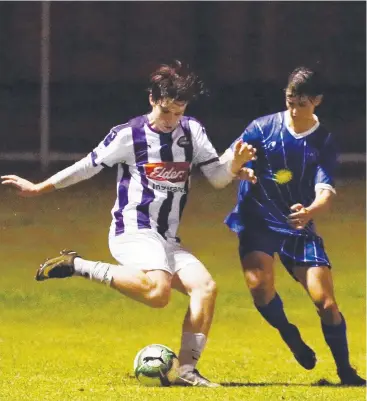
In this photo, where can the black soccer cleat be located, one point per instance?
(195, 379)
(349, 377)
(303, 354)
(60, 267)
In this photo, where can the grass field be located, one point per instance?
(76, 340)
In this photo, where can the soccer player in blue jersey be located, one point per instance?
(295, 166)
(154, 154)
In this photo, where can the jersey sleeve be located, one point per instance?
(110, 151)
(204, 151)
(113, 149)
(206, 157)
(325, 172)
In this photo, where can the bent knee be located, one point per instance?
(159, 300)
(159, 297)
(327, 306)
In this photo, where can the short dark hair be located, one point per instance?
(175, 82)
(305, 82)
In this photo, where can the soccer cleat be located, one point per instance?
(349, 377)
(303, 354)
(195, 379)
(60, 267)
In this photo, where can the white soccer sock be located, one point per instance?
(97, 271)
(192, 345)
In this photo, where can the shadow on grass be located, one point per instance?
(319, 383)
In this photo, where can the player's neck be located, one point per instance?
(300, 125)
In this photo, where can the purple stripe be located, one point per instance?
(110, 137)
(188, 157)
(141, 158)
(166, 207)
(94, 157)
(123, 199)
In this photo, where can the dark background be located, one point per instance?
(103, 52)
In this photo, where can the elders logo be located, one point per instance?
(167, 171)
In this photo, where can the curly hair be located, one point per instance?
(304, 82)
(175, 82)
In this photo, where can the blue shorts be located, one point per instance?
(293, 251)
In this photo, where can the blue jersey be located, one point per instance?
(308, 158)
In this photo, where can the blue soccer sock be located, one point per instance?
(336, 339)
(274, 314)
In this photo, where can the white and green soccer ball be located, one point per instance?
(156, 365)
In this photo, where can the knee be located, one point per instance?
(159, 299)
(261, 287)
(207, 290)
(327, 307)
(211, 289)
(258, 282)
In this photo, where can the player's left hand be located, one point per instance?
(247, 174)
(300, 217)
(243, 153)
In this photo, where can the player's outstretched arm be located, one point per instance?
(230, 166)
(79, 171)
(27, 188)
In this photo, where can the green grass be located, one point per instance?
(76, 340)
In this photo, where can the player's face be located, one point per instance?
(301, 107)
(166, 114)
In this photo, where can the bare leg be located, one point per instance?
(259, 276)
(152, 288)
(319, 285)
(195, 281)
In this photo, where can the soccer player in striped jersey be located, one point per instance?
(295, 166)
(154, 155)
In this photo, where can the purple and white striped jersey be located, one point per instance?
(153, 172)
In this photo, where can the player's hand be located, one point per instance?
(25, 188)
(243, 153)
(300, 217)
(247, 174)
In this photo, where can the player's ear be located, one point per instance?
(317, 100)
(151, 100)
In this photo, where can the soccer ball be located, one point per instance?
(156, 365)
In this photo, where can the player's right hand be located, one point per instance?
(25, 188)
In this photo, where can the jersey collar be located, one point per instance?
(299, 135)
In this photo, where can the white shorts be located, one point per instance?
(147, 250)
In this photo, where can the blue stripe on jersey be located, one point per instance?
(189, 151)
(123, 199)
(165, 209)
(141, 158)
